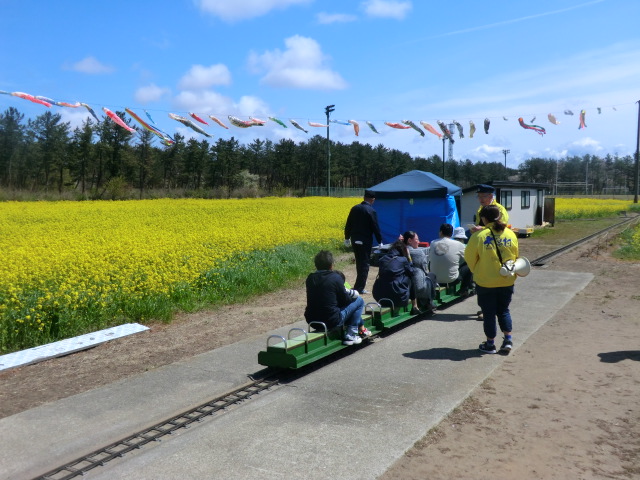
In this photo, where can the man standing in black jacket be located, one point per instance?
(361, 227)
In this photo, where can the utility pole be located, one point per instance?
(505, 151)
(328, 109)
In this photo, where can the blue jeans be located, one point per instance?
(494, 302)
(351, 316)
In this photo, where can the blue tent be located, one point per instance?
(416, 200)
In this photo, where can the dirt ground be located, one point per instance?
(563, 405)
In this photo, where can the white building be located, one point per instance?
(525, 203)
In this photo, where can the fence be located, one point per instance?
(334, 192)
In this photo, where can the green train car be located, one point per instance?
(302, 347)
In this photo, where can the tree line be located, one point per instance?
(102, 160)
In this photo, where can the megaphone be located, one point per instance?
(520, 267)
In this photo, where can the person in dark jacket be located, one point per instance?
(394, 276)
(361, 227)
(329, 302)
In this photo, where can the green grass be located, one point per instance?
(629, 244)
(571, 230)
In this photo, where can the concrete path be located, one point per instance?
(352, 418)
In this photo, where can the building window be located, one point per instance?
(505, 199)
(525, 199)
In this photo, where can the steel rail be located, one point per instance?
(540, 261)
(155, 433)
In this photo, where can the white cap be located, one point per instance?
(458, 232)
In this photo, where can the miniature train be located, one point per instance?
(302, 347)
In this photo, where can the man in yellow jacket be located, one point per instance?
(487, 196)
(485, 253)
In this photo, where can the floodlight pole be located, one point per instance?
(637, 170)
(444, 139)
(328, 109)
(505, 151)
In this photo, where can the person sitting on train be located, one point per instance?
(394, 276)
(328, 301)
(353, 293)
(423, 282)
(446, 260)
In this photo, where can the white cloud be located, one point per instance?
(387, 8)
(91, 66)
(200, 76)
(326, 18)
(301, 65)
(150, 93)
(231, 11)
(208, 102)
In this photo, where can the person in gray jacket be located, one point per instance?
(446, 260)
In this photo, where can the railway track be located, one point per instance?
(223, 403)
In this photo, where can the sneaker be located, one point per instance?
(365, 332)
(351, 340)
(506, 347)
(486, 348)
(364, 292)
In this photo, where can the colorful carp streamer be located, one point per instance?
(197, 118)
(340, 122)
(414, 126)
(356, 127)
(188, 123)
(397, 125)
(298, 126)
(487, 124)
(166, 139)
(239, 123)
(553, 119)
(472, 128)
(90, 110)
(459, 127)
(316, 124)
(257, 122)
(31, 98)
(535, 128)
(568, 112)
(446, 131)
(373, 129)
(218, 121)
(149, 117)
(278, 121)
(59, 104)
(583, 115)
(430, 129)
(118, 120)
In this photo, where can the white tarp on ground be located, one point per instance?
(70, 345)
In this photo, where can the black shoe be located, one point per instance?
(415, 311)
(506, 347)
(486, 348)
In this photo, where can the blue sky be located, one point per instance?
(375, 60)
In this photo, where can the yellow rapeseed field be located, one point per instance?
(61, 257)
(568, 208)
